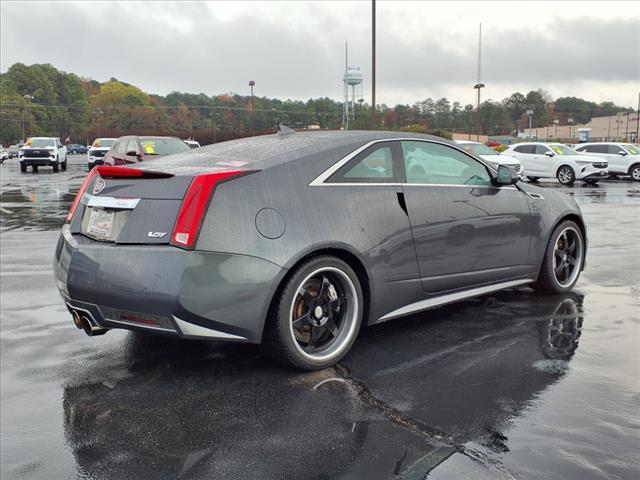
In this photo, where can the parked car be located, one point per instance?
(623, 158)
(490, 155)
(134, 149)
(192, 143)
(4, 154)
(75, 149)
(556, 160)
(98, 150)
(43, 152)
(14, 150)
(296, 240)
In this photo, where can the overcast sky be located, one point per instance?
(296, 49)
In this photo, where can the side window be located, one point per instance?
(440, 164)
(525, 149)
(132, 146)
(581, 149)
(612, 149)
(374, 165)
(541, 149)
(598, 149)
(121, 147)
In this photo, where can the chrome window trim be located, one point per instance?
(320, 180)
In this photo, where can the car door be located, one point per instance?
(115, 156)
(525, 154)
(617, 163)
(466, 231)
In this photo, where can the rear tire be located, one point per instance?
(634, 171)
(64, 165)
(566, 175)
(316, 315)
(533, 179)
(562, 260)
(35, 169)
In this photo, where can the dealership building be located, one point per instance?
(621, 127)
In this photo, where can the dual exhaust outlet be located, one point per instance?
(84, 322)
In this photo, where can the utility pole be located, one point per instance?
(570, 120)
(479, 83)
(555, 128)
(638, 120)
(530, 114)
(253, 106)
(373, 64)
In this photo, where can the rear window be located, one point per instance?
(40, 142)
(163, 146)
(103, 142)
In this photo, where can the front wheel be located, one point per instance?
(316, 316)
(566, 175)
(64, 164)
(634, 171)
(533, 179)
(562, 260)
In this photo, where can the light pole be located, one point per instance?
(555, 127)
(479, 83)
(29, 98)
(530, 114)
(253, 112)
(373, 64)
(570, 120)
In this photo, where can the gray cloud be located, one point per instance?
(165, 47)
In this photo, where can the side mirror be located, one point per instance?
(506, 176)
(132, 153)
(622, 153)
(549, 154)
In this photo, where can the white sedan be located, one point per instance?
(556, 160)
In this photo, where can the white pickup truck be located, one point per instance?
(43, 152)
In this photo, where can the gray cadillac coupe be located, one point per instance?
(296, 240)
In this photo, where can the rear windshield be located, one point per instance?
(103, 142)
(478, 149)
(163, 146)
(40, 142)
(562, 150)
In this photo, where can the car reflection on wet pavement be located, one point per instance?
(512, 385)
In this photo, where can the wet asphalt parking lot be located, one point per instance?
(512, 385)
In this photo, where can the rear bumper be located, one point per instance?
(166, 290)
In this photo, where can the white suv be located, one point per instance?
(43, 152)
(97, 151)
(623, 158)
(556, 160)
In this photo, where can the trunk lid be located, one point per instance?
(130, 210)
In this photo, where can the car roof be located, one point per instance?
(465, 142)
(270, 150)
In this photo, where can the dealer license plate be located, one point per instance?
(100, 223)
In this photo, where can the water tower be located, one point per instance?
(352, 78)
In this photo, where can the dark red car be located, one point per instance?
(134, 149)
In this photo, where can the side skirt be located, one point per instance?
(451, 298)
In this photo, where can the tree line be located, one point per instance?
(40, 100)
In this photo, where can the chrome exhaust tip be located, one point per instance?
(77, 320)
(90, 329)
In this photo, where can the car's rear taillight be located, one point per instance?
(195, 204)
(76, 200)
